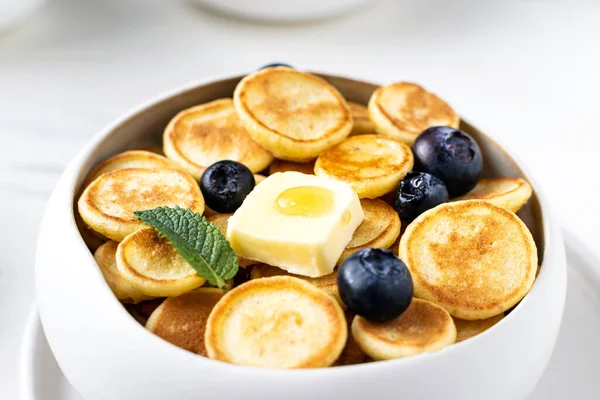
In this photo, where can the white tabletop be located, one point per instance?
(527, 72)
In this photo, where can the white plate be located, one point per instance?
(572, 372)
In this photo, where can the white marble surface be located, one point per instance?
(525, 71)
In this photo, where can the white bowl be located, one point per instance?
(281, 11)
(13, 12)
(106, 354)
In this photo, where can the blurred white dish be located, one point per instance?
(571, 371)
(281, 11)
(13, 12)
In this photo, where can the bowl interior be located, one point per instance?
(145, 128)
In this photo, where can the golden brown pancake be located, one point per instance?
(403, 110)
(258, 179)
(130, 159)
(108, 203)
(327, 283)
(372, 164)
(471, 257)
(92, 239)
(510, 193)
(379, 229)
(362, 123)
(352, 353)
(278, 322)
(468, 329)
(396, 246)
(423, 327)
(150, 264)
(293, 114)
(283, 166)
(209, 212)
(147, 307)
(202, 135)
(220, 221)
(154, 149)
(105, 257)
(182, 320)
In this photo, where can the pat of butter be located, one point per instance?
(300, 223)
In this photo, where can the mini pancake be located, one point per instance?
(327, 283)
(220, 221)
(229, 284)
(202, 135)
(92, 239)
(108, 203)
(510, 193)
(380, 228)
(293, 114)
(105, 257)
(468, 329)
(258, 179)
(372, 164)
(472, 257)
(403, 110)
(209, 212)
(423, 327)
(154, 149)
(130, 159)
(352, 353)
(278, 322)
(150, 264)
(396, 246)
(362, 123)
(307, 168)
(182, 320)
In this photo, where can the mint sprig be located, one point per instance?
(197, 241)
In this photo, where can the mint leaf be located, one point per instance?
(197, 241)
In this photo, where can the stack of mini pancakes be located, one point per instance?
(471, 259)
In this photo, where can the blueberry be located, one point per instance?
(375, 284)
(276, 65)
(417, 193)
(451, 155)
(225, 185)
